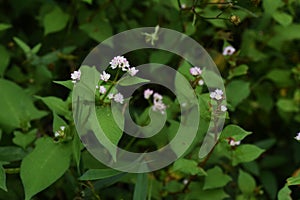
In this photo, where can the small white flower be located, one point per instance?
(102, 89)
(104, 76)
(184, 104)
(110, 96)
(223, 108)
(148, 93)
(119, 62)
(183, 6)
(185, 181)
(75, 76)
(157, 97)
(217, 94)
(119, 98)
(298, 136)
(60, 132)
(200, 82)
(195, 71)
(234, 143)
(132, 71)
(229, 50)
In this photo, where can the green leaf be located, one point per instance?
(109, 127)
(141, 187)
(15, 113)
(26, 49)
(55, 104)
(68, 84)
(293, 180)
(58, 122)
(44, 165)
(238, 71)
(237, 91)
(269, 181)
(4, 61)
(245, 153)
(94, 174)
(55, 21)
(162, 57)
(197, 193)
(88, 1)
(189, 167)
(270, 6)
(287, 105)
(131, 80)
(282, 18)
(2, 178)
(281, 77)
(11, 153)
(98, 29)
(246, 182)
(216, 178)
(24, 139)
(284, 193)
(4, 26)
(235, 132)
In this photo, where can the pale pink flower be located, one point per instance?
(75, 76)
(148, 93)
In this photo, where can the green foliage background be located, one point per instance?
(43, 41)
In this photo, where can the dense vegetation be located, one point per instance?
(257, 154)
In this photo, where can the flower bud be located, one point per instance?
(236, 20)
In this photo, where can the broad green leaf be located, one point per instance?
(2, 178)
(11, 153)
(287, 105)
(98, 28)
(141, 187)
(215, 178)
(189, 167)
(282, 18)
(131, 80)
(4, 26)
(235, 132)
(196, 192)
(56, 105)
(270, 6)
(281, 77)
(24, 139)
(237, 91)
(293, 180)
(94, 174)
(68, 84)
(174, 186)
(76, 147)
(4, 61)
(283, 34)
(284, 193)
(110, 128)
(15, 113)
(246, 182)
(36, 48)
(238, 71)
(44, 165)
(55, 21)
(245, 153)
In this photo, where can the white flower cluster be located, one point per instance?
(119, 98)
(218, 95)
(233, 143)
(196, 71)
(158, 104)
(102, 89)
(75, 76)
(298, 136)
(229, 50)
(121, 62)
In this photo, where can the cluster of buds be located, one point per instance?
(218, 95)
(196, 71)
